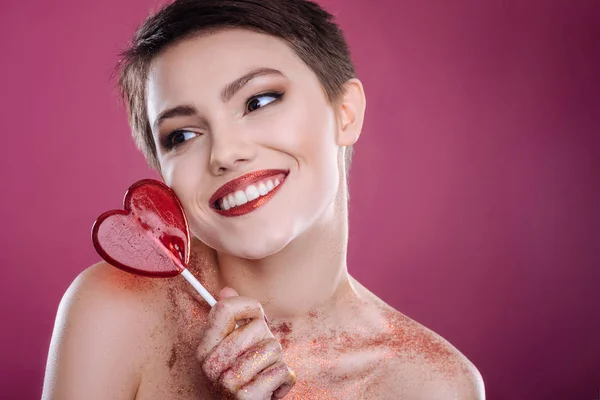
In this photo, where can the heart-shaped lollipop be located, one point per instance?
(150, 237)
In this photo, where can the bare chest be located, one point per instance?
(326, 366)
(174, 372)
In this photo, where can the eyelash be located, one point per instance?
(168, 141)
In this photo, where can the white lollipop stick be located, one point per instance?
(187, 274)
(189, 277)
(198, 286)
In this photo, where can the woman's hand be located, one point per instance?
(243, 363)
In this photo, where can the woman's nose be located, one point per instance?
(230, 151)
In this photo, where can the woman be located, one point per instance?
(249, 111)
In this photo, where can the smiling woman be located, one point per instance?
(248, 111)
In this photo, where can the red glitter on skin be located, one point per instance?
(368, 351)
(172, 359)
(394, 343)
(282, 330)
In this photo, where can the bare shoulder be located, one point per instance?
(97, 348)
(418, 363)
(429, 365)
(103, 294)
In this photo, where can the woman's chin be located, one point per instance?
(254, 245)
(254, 250)
(256, 253)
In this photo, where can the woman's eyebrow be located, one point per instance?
(226, 94)
(178, 111)
(231, 89)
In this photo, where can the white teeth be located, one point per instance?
(240, 198)
(252, 193)
(231, 200)
(225, 205)
(262, 189)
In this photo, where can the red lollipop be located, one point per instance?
(150, 237)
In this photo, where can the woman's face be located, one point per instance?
(275, 127)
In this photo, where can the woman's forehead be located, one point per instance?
(226, 53)
(202, 66)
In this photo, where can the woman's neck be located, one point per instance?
(310, 273)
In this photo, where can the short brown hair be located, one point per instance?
(308, 29)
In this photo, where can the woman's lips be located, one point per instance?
(248, 192)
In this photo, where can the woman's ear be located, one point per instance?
(351, 112)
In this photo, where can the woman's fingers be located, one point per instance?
(224, 356)
(222, 319)
(274, 382)
(250, 364)
(246, 362)
(227, 292)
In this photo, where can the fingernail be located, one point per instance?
(266, 319)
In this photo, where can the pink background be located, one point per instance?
(475, 187)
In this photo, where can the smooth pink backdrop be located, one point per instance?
(475, 186)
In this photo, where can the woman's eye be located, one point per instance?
(180, 136)
(261, 100)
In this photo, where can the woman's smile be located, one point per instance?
(248, 192)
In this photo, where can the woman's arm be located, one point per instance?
(93, 353)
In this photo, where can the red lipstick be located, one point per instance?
(241, 183)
